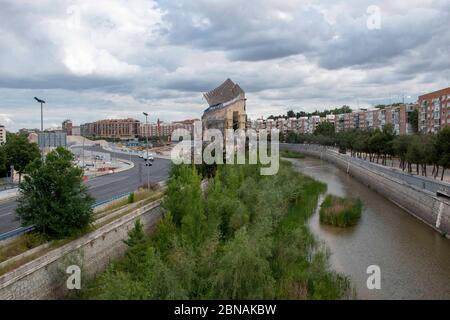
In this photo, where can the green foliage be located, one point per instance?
(381, 145)
(340, 212)
(413, 120)
(325, 129)
(247, 238)
(131, 197)
(3, 163)
(292, 114)
(291, 154)
(53, 197)
(19, 152)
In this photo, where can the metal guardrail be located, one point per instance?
(97, 204)
(16, 232)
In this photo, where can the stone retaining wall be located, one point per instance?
(45, 277)
(421, 203)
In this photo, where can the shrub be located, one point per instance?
(131, 197)
(340, 212)
(291, 154)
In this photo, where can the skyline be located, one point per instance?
(98, 61)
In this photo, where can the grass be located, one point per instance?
(291, 154)
(23, 243)
(340, 212)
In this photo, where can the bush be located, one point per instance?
(131, 197)
(291, 154)
(340, 212)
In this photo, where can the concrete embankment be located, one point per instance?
(46, 276)
(417, 195)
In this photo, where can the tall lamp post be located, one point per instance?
(42, 124)
(42, 112)
(147, 162)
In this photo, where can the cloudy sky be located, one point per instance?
(107, 59)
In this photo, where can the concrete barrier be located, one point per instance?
(45, 277)
(414, 197)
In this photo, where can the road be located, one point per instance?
(103, 187)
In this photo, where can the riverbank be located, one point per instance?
(423, 198)
(412, 257)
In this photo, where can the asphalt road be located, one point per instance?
(103, 187)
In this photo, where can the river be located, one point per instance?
(414, 259)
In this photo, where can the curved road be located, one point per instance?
(103, 187)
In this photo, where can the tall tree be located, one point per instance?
(413, 120)
(443, 149)
(325, 129)
(53, 197)
(20, 152)
(2, 161)
(291, 114)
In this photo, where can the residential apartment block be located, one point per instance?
(434, 110)
(112, 128)
(371, 119)
(125, 129)
(160, 129)
(67, 127)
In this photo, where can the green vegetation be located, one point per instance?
(291, 154)
(382, 145)
(340, 212)
(246, 237)
(131, 197)
(31, 240)
(53, 197)
(325, 129)
(292, 114)
(17, 152)
(23, 243)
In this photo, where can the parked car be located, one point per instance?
(150, 157)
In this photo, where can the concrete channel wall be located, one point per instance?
(417, 195)
(45, 277)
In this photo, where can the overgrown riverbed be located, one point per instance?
(246, 238)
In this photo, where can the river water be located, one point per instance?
(413, 258)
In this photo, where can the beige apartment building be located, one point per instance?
(67, 127)
(227, 107)
(160, 129)
(112, 128)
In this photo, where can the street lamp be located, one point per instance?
(147, 162)
(42, 112)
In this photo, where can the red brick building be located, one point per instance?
(434, 110)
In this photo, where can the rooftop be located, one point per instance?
(227, 91)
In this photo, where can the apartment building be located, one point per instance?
(434, 110)
(161, 129)
(67, 127)
(302, 125)
(76, 131)
(2, 134)
(112, 128)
